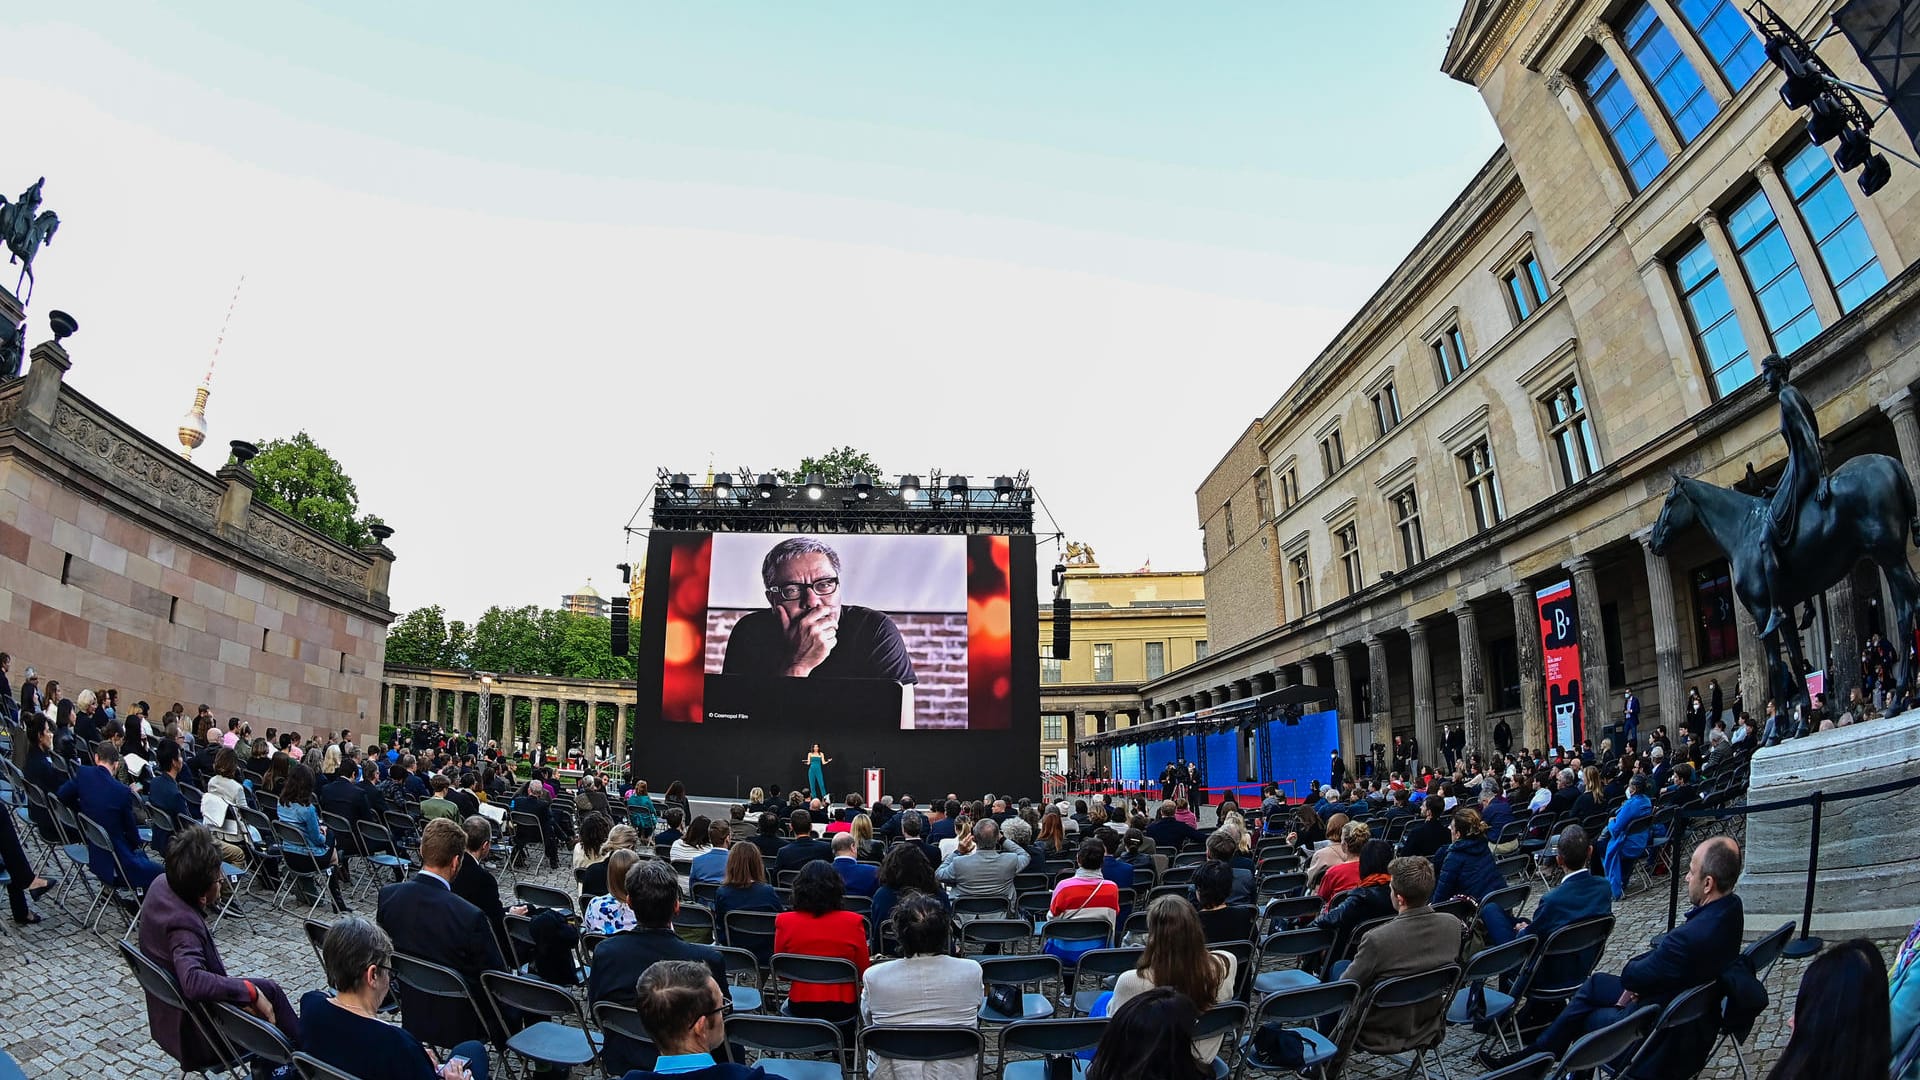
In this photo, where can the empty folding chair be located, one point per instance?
(1485, 970)
(1565, 960)
(550, 1040)
(1103, 967)
(902, 1042)
(791, 1047)
(1300, 946)
(1224, 1020)
(1689, 1008)
(1035, 1040)
(743, 996)
(1020, 972)
(1761, 955)
(1421, 989)
(1299, 1010)
(625, 1039)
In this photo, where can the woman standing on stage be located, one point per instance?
(816, 772)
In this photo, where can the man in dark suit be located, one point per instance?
(425, 919)
(528, 801)
(1565, 793)
(942, 827)
(803, 848)
(911, 826)
(1167, 831)
(620, 960)
(95, 794)
(1581, 894)
(475, 884)
(684, 1008)
(861, 878)
(469, 803)
(1694, 952)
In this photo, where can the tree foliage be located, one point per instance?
(299, 478)
(836, 466)
(418, 638)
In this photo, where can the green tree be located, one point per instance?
(510, 641)
(299, 478)
(459, 648)
(836, 466)
(418, 638)
(582, 648)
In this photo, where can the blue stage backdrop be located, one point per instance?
(1154, 759)
(1223, 763)
(1126, 763)
(1303, 752)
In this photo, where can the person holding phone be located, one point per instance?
(346, 1032)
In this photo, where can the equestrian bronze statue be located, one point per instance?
(24, 227)
(1792, 545)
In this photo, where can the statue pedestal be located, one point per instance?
(1868, 884)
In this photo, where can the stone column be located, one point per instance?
(1825, 302)
(1343, 703)
(1379, 714)
(1473, 678)
(560, 734)
(620, 737)
(1666, 637)
(593, 729)
(1596, 684)
(1572, 99)
(1650, 107)
(1284, 677)
(1753, 690)
(1533, 677)
(1843, 643)
(1710, 75)
(1424, 726)
(1746, 308)
(1906, 430)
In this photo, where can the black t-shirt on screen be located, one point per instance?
(869, 646)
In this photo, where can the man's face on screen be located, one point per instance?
(806, 575)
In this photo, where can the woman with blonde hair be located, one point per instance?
(962, 830)
(864, 845)
(1593, 795)
(1345, 874)
(1177, 956)
(610, 913)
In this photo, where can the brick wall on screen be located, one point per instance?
(937, 641)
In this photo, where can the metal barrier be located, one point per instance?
(1806, 944)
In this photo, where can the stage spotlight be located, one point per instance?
(1003, 488)
(764, 488)
(679, 483)
(1875, 174)
(909, 487)
(1827, 119)
(1802, 83)
(816, 487)
(957, 486)
(1855, 146)
(723, 486)
(862, 486)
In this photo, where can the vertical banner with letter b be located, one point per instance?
(1560, 651)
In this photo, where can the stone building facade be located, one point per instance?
(123, 566)
(1508, 409)
(1128, 629)
(590, 715)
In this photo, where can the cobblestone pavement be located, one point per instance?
(74, 1011)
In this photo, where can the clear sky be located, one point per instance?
(505, 259)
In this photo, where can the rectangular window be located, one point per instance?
(1526, 287)
(1503, 674)
(1627, 128)
(1714, 326)
(1450, 354)
(1052, 727)
(1821, 196)
(1200, 649)
(1482, 486)
(1289, 489)
(1715, 637)
(1406, 518)
(1103, 662)
(1572, 434)
(1228, 509)
(1785, 303)
(1302, 584)
(1386, 408)
(1049, 667)
(1728, 38)
(1156, 659)
(1669, 71)
(1332, 454)
(1349, 541)
(1616, 653)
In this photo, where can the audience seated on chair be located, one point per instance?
(926, 986)
(431, 922)
(745, 888)
(819, 926)
(684, 1009)
(1150, 1038)
(94, 793)
(1581, 894)
(984, 865)
(1213, 884)
(1177, 956)
(1416, 939)
(475, 884)
(621, 959)
(346, 1031)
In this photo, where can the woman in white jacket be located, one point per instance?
(926, 987)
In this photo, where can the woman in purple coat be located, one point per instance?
(174, 934)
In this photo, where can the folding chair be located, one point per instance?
(748, 996)
(1024, 972)
(1576, 939)
(159, 983)
(1689, 1008)
(692, 919)
(1039, 1038)
(317, 878)
(995, 935)
(1762, 954)
(751, 930)
(777, 1039)
(1299, 1009)
(1596, 1048)
(122, 888)
(378, 848)
(1281, 914)
(312, 1068)
(979, 907)
(427, 978)
(548, 1041)
(248, 1034)
(1105, 966)
(856, 902)
(1288, 883)
(73, 849)
(793, 968)
(1537, 1067)
(904, 1042)
(1225, 1019)
(1486, 968)
(1402, 992)
(1298, 946)
(620, 1025)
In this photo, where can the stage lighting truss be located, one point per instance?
(1832, 103)
(746, 501)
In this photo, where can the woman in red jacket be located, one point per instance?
(817, 926)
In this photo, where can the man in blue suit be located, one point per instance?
(427, 919)
(861, 878)
(1580, 895)
(1619, 845)
(94, 793)
(1695, 952)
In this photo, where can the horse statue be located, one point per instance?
(24, 228)
(1868, 513)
